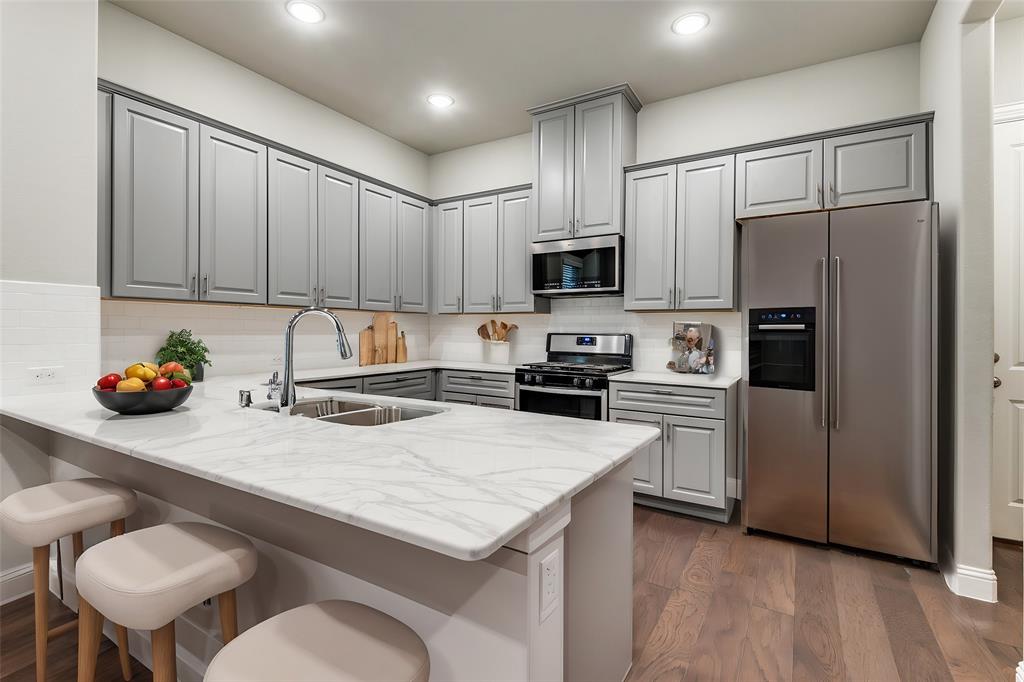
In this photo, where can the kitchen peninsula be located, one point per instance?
(503, 538)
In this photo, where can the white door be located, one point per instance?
(1008, 412)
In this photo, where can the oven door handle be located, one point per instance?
(562, 391)
(782, 327)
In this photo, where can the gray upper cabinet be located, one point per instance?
(156, 203)
(779, 180)
(292, 223)
(695, 461)
(104, 114)
(378, 243)
(650, 239)
(480, 232)
(705, 235)
(413, 267)
(553, 163)
(338, 239)
(598, 166)
(876, 167)
(515, 282)
(233, 218)
(448, 258)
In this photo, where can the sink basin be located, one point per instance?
(378, 415)
(323, 407)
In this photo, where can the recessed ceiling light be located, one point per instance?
(441, 101)
(688, 24)
(305, 11)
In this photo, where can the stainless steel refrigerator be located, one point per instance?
(840, 373)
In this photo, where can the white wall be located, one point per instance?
(1009, 74)
(481, 167)
(144, 57)
(860, 89)
(956, 82)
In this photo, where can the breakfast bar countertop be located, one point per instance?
(463, 482)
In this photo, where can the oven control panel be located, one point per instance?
(782, 316)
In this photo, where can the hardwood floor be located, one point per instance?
(711, 603)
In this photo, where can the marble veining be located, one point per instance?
(463, 482)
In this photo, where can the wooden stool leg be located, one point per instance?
(228, 607)
(77, 544)
(117, 528)
(165, 663)
(90, 630)
(41, 589)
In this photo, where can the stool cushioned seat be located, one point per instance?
(340, 641)
(145, 579)
(37, 516)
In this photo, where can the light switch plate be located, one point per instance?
(550, 583)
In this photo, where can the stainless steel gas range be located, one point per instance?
(573, 382)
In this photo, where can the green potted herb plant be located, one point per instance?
(190, 352)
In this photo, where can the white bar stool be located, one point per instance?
(323, 642)
(43, 514)
(147, 578)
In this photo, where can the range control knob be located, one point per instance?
(589, 383)
(538, 379)
(576, 381)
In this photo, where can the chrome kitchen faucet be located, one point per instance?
(288, 390)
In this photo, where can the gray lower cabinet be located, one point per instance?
(647, 465)
(104, 114)
(515, 279)
(292, 228)
(378, 237)
(498, 403)
(458, 398)
(784, 179)
(419, 384)
(337, 239)
(232, 219)
(877, 167)
(649, 268)
(413, 256)
(694, 460)
(480, 255)
(553, 162)
(486, 389)
(348, 384)
(155, 203)
(705, 263)
(448, 258)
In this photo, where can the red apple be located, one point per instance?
(108, 381)
(178, 383)
(160, 384)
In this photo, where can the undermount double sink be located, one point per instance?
(354, 413)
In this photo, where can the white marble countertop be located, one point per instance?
(463, 482)
(676, 379)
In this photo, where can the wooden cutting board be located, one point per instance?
(380, 329)
(402, 354)
(392, 342)
(366, 347)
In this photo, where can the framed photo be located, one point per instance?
(693, 348)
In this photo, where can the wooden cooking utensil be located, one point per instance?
(503, 332)
(392, 347)
(511, 328)
(402, 353)
(366, 347)
(494, 330)
(483, 333)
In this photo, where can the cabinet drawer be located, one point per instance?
(479, 383)
(499, 403)
(403, 384)
(461, 398)
(647, 463)
(352, 385)
(664, 399)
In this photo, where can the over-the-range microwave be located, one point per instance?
(591, 266)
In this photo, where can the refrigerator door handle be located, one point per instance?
(824, 298)
(835, 346)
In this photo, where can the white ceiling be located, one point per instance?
(377, 61)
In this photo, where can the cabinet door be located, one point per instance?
(598, 167)
(337, 239)
(232, 219)
(515, 282)
(460, 398)
(497, 403)
(104, 115)
(695, 460)
(156, 203)
(291, 205)
(448, 258)
(553, 161)
(877, 167)
(705, 235)
(779, 180)
(413, 255)
(650, 239)
(403, 384)
(647, 464)
(480, 281)
(378, 228)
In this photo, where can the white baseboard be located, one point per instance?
(973, 582)
(15, 583)
(1020, 672)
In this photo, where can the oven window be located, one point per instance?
(782, 359)
(580, 406)
(591, 268)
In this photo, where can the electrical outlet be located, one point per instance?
(550, 583)
(43, 376)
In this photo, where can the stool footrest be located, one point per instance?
(65, 628)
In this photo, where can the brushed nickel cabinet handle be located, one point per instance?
(323, 297)
(192, 286)
(996, 382)
(821, 197)
(206, 284)
(492, 303)
(831, 193)
(458, 303)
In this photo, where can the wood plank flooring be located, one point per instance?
(711, 603)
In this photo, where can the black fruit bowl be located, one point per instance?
(142, 402)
